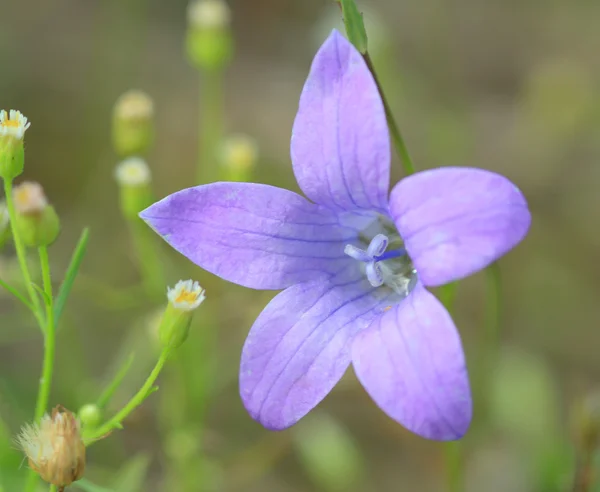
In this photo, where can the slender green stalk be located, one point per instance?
(21, 255)
(211, 124)
(112, 387)
(135, 402)
(49, 339)
(52, 488)
(148, 258)
(15, 293)
(398, 141)
(454, 466)
(48, 364)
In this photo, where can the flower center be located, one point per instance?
(10, 123)
(382, 256)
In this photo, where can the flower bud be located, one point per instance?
(90, 415)
(133, 177)
(12, 131)
(238, 155)
(54, 448)
(133, 124)
(36, 220)
(4, 224)
(209, 40)
(184, 298)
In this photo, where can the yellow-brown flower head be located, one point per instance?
(54, 447)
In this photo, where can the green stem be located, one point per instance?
(211, 124)
(401, 149)
(135, 402)
(454, 466)
(48, 364)
(49, 341)
(52, 488)
(148, 258)
(20, 249)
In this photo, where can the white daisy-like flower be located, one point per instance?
(208, 14)
(239, 152)
(134, 105)
(29, 198)
(54, 447)
(133, 171)
(13, 123)
(186, 295)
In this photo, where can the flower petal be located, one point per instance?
(411, 362)
(255, 235)
(456, 221)
(340, 141)
(299, 347)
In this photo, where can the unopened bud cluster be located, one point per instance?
(133, 124)
(36, 220)
(12, 131)
(183, 299)
(54, 448)
(209, 40)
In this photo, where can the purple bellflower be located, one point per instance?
(354, 261)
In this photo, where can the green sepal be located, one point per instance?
(355, 26)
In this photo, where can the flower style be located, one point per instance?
(354, 261)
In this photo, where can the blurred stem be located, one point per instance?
(135, 402)
(453, 452)
(401, 149)
(489, 354)
(21, 254)
(49, 344)
(584, 474)
(52, 488)
(148, 258)
(211, 124)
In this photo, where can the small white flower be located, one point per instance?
(54, 447)
(186, 295)
(134, 105)
(13, 124)
(208, 14)
(133, 171)
(29, 198)
(239, 152)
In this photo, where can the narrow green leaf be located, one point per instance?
(116, 381)
(355, 26)
(132, 475)
(43, 295)
(67, 284)
(15, 293)
(88, 486)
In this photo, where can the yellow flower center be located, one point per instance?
(186, 296)
(10, 123)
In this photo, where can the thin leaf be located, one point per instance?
(67, 284)
(112, 387)
(355, 26)
(132, 475)
(16, 294)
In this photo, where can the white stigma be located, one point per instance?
(208, 14)
(133, 171)
(13, 124)
(186, 295)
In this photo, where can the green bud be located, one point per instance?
(36, 220)
(90, 415)
(12, 131)
(184, 298)
(209, 41)
(133, 176)
(4, 224)
(238, 155)
(133, 124)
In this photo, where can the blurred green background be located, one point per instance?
(510, 86)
